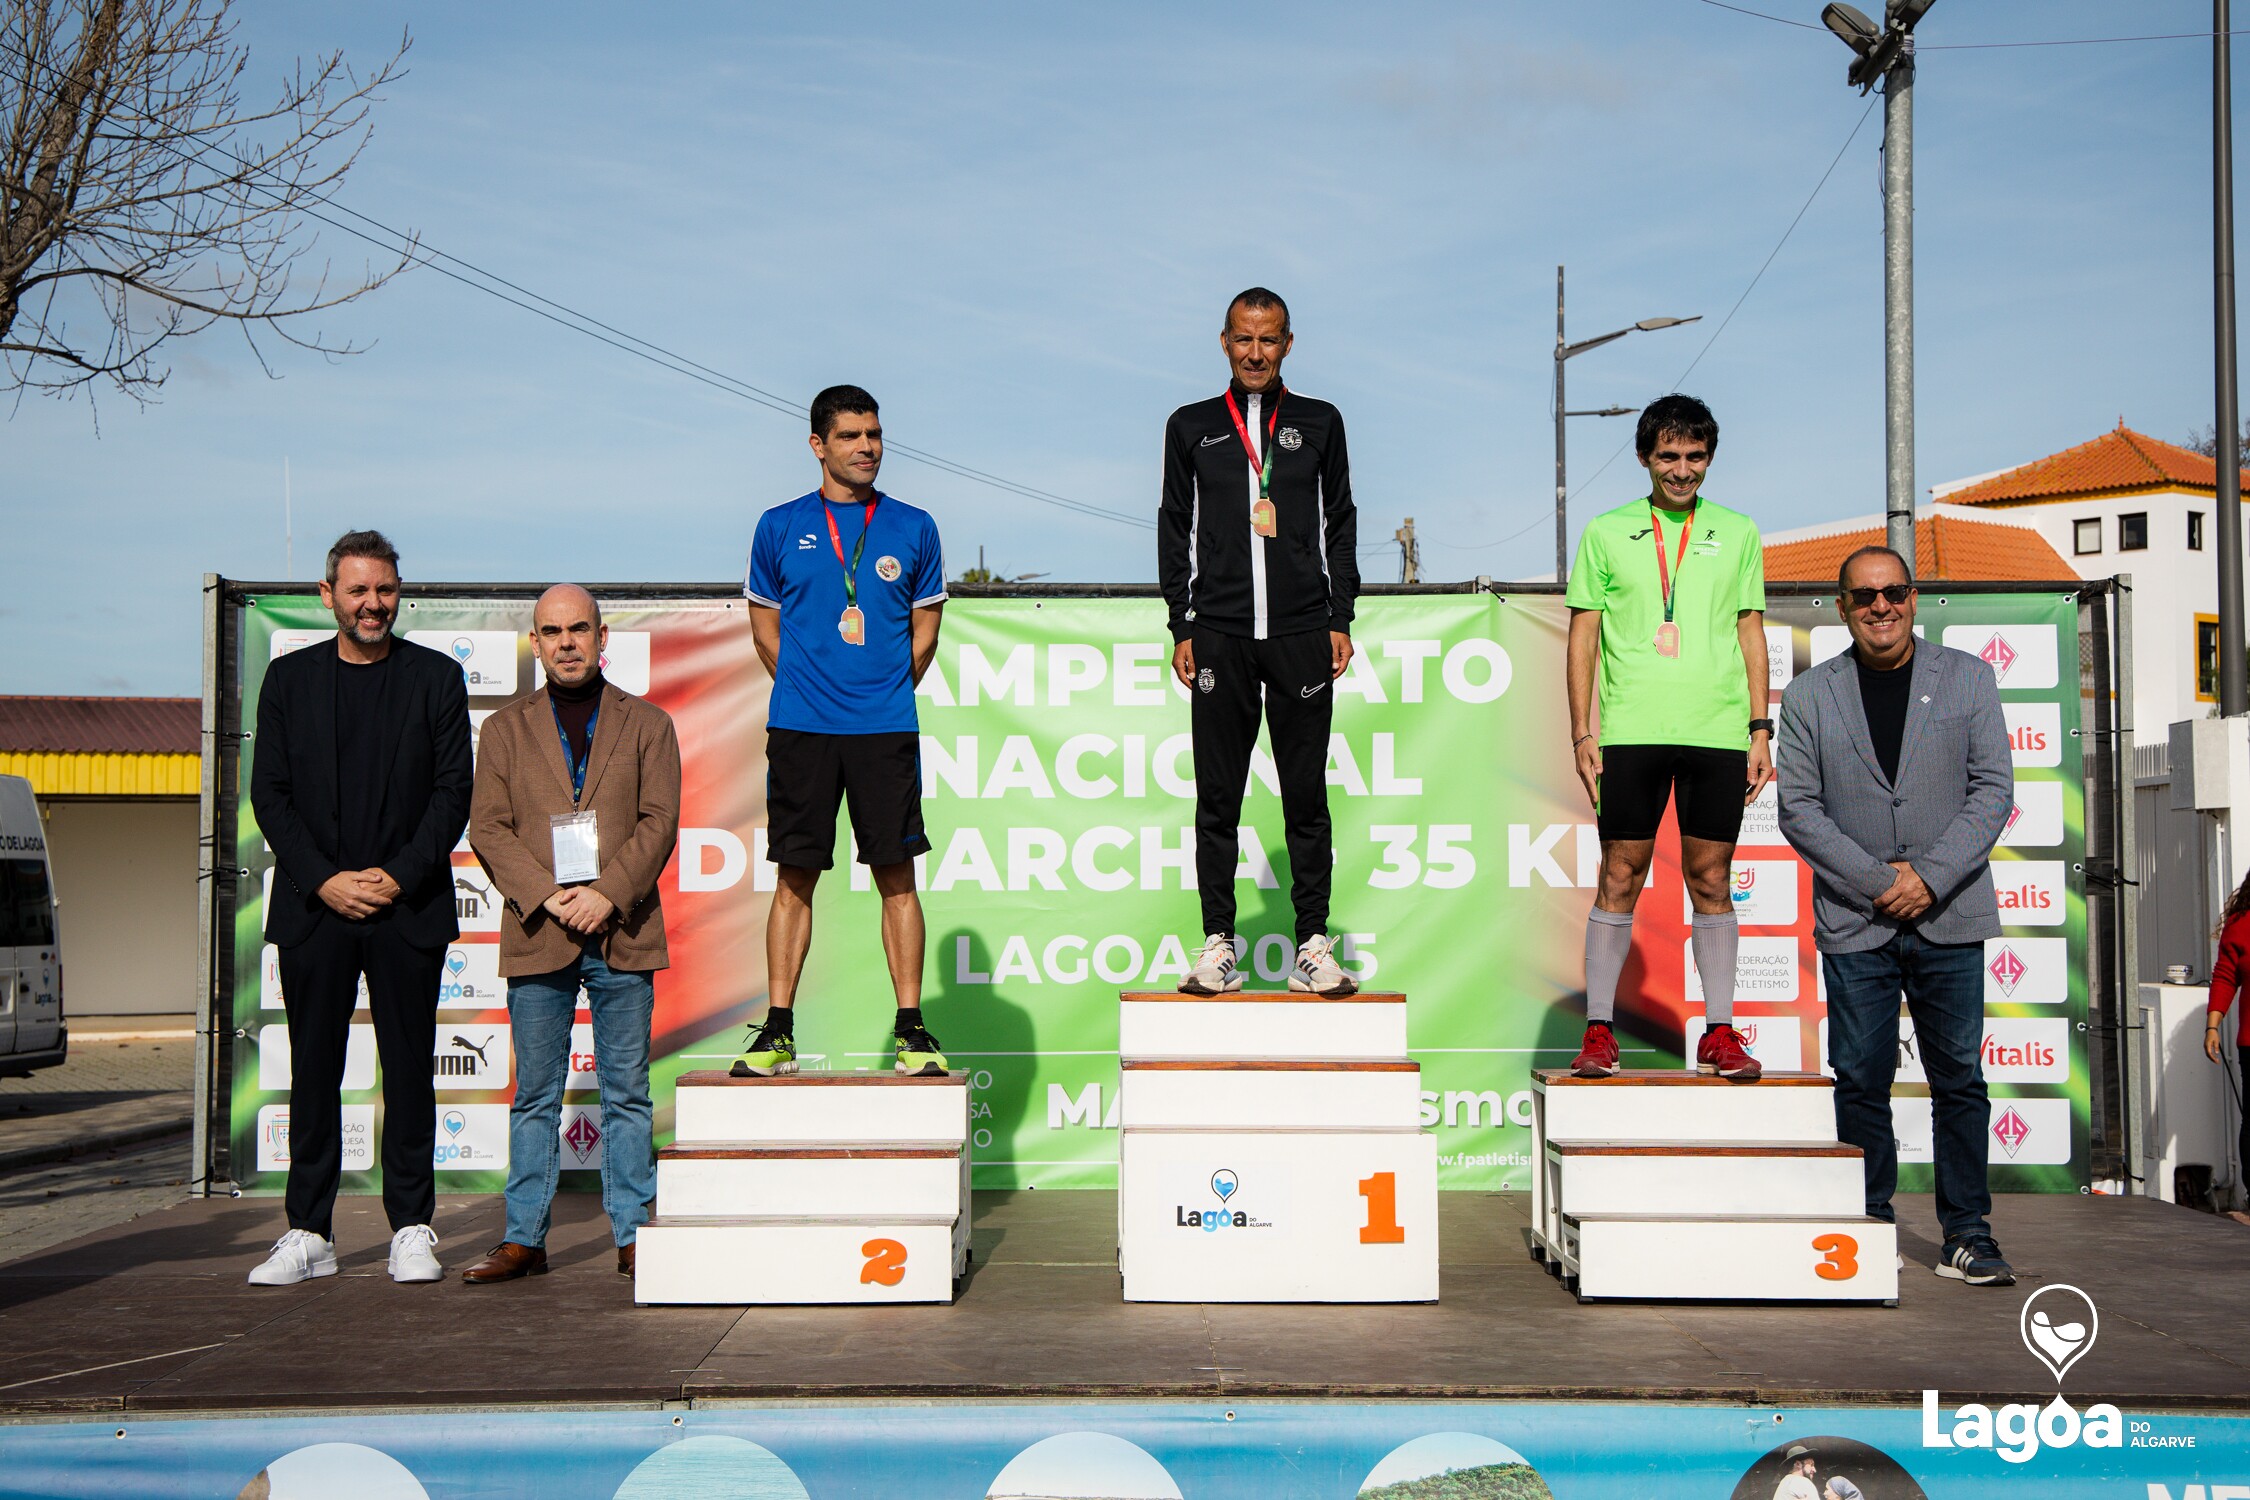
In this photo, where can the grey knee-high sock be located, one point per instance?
(1609, 942)
(1716, 940)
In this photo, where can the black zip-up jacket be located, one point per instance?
(1219, 574)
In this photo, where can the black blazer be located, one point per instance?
(425, 797)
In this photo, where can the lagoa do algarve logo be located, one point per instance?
(1225, 1183)
(2058, 1324)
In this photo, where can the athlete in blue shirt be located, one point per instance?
(846, 586)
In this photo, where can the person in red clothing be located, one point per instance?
(2228, 974)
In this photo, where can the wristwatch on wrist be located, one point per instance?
(1758, 724)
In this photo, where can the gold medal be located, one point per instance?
(1262, 518)
(852, 626)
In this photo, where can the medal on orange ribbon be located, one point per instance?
(1263, 519)
(851, 625)
(1668, 634)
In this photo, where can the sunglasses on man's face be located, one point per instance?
(1897, 593)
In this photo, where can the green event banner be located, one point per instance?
(1059, 789)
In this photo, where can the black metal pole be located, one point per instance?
(1562, 489)
(2234, 685)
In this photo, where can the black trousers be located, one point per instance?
(1290, 676)
(319, 987)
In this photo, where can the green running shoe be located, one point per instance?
(769, 1051)
(917, 1053)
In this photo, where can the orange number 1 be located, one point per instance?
(1840, 1257)
(886, 1262)
(1383, 1227)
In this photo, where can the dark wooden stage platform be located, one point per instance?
(154, 1315)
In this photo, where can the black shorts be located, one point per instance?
(1637, 780)
(809, 775)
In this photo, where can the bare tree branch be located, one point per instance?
(141, 200)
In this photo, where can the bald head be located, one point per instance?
(568, 634)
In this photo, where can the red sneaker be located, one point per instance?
(1721, 1052)
(1597, 1058)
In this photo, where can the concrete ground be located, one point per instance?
(124, 1082)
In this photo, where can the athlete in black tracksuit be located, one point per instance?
(1260, 611)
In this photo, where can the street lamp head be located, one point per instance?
(1905, 14)
(1853, 27)
(1650, 325)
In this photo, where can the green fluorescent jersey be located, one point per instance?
(1702, 696)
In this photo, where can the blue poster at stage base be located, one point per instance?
(2066, 1449)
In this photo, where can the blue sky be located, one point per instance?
(1019, 225)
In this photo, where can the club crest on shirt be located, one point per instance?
(886, 568)
(1205, 681)
(1291, 438)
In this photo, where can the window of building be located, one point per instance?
(2207, 658)
(2132, 532)
(2195, 531)
(2086, 537)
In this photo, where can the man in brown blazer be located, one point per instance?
(575, 812)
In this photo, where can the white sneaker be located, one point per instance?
(299, 1255)
(414, 1254)
(1317, 972)
(1215, 972)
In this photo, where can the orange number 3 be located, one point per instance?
(886, 1262)
(1839, 1254)
(1382, 1227)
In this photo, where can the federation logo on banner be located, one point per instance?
(1777, 1042)
(1764, 893)
(1765, 971)
(2021, 656)
(357, 1139)
(581, 1137)
(2027, 970)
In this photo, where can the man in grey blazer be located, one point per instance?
(1896, 779)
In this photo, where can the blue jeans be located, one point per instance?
(540, 1008)
(1944, 988)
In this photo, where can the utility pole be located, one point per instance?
(1409, 553)
(2234, 689)
(1564, 352)
(1898, 302)
(1885, 54)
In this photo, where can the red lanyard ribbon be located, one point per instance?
(1664, 575)
(851, 569)
(1241, 430)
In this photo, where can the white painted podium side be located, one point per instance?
(810, 1188)
(1676, 1186)
(1272, 1151)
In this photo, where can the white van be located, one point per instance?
(32, 1034)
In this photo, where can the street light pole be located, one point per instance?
(1898, 301)
(1563, 352)
(2234, 690)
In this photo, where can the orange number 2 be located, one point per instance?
(886, 1262)
(1383, 1227)
(1839, 1257)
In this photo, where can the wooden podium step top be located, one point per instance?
(1269, 1065)
(811, 1151)
(1723, 1219)
(793, 1221)
(1361, 997)
(720, 1078)
(1703, 1148)
(1674, 1078)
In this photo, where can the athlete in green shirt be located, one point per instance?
(1668, 599)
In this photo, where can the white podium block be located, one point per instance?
(1793, 1258)
(1211, 1093)
(1706, 1177)
(841, 1180)
(1662, 1104)
(1262, 1024)
(714, 1107)
(778, 1259)
(1278, 1215)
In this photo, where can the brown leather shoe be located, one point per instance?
(625, 1259)
(505, 1262)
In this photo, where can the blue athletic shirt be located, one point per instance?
(821, 685)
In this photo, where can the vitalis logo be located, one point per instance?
(2058, 1324)
(1225, 1183)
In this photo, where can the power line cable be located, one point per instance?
(2076, 41)
(411, 248)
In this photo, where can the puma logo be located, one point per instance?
(468, 1046)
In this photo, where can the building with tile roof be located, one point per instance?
(1948, 543)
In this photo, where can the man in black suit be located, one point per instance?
(360, 778)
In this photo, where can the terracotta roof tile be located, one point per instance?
(2119, 460)
(1944, 547)
(127, 726)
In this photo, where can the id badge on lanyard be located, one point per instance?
(577, 839)
(1263, 521)
(851, 625)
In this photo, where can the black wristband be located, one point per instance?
(1758, 724)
